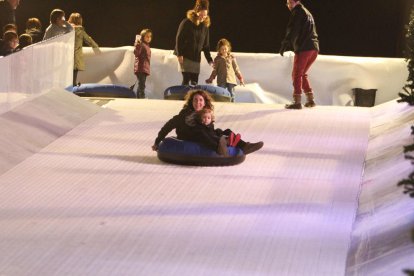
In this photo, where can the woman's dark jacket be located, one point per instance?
(191, 40)
(183, 129)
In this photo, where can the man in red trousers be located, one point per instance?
(301, 37)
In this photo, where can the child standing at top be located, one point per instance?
(226, 68)
(211, 137)
(142, 63)
(81, 37)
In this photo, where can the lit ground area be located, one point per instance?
(97, 201)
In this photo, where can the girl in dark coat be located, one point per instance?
(192, 38)
(185, 123)
(142, 63)
(210, 136)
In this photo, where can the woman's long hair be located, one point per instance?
(190, 96)
(76, 19)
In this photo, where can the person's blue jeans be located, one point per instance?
(230, 87)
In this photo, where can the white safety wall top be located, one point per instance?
(267, 76)
(36, 69)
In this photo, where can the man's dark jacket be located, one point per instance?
(301, 32)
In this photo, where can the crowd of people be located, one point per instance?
(192, 39)
(12, 42)
(9, 42)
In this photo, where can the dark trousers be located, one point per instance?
(75, 77)
(189, 78)
(142, 78)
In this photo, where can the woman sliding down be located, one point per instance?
(185, 124)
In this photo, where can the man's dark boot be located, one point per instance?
(310, 100)
(252, 147)
(297, 102)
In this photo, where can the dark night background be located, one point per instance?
(346, 27)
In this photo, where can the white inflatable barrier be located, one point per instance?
(267, 76)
